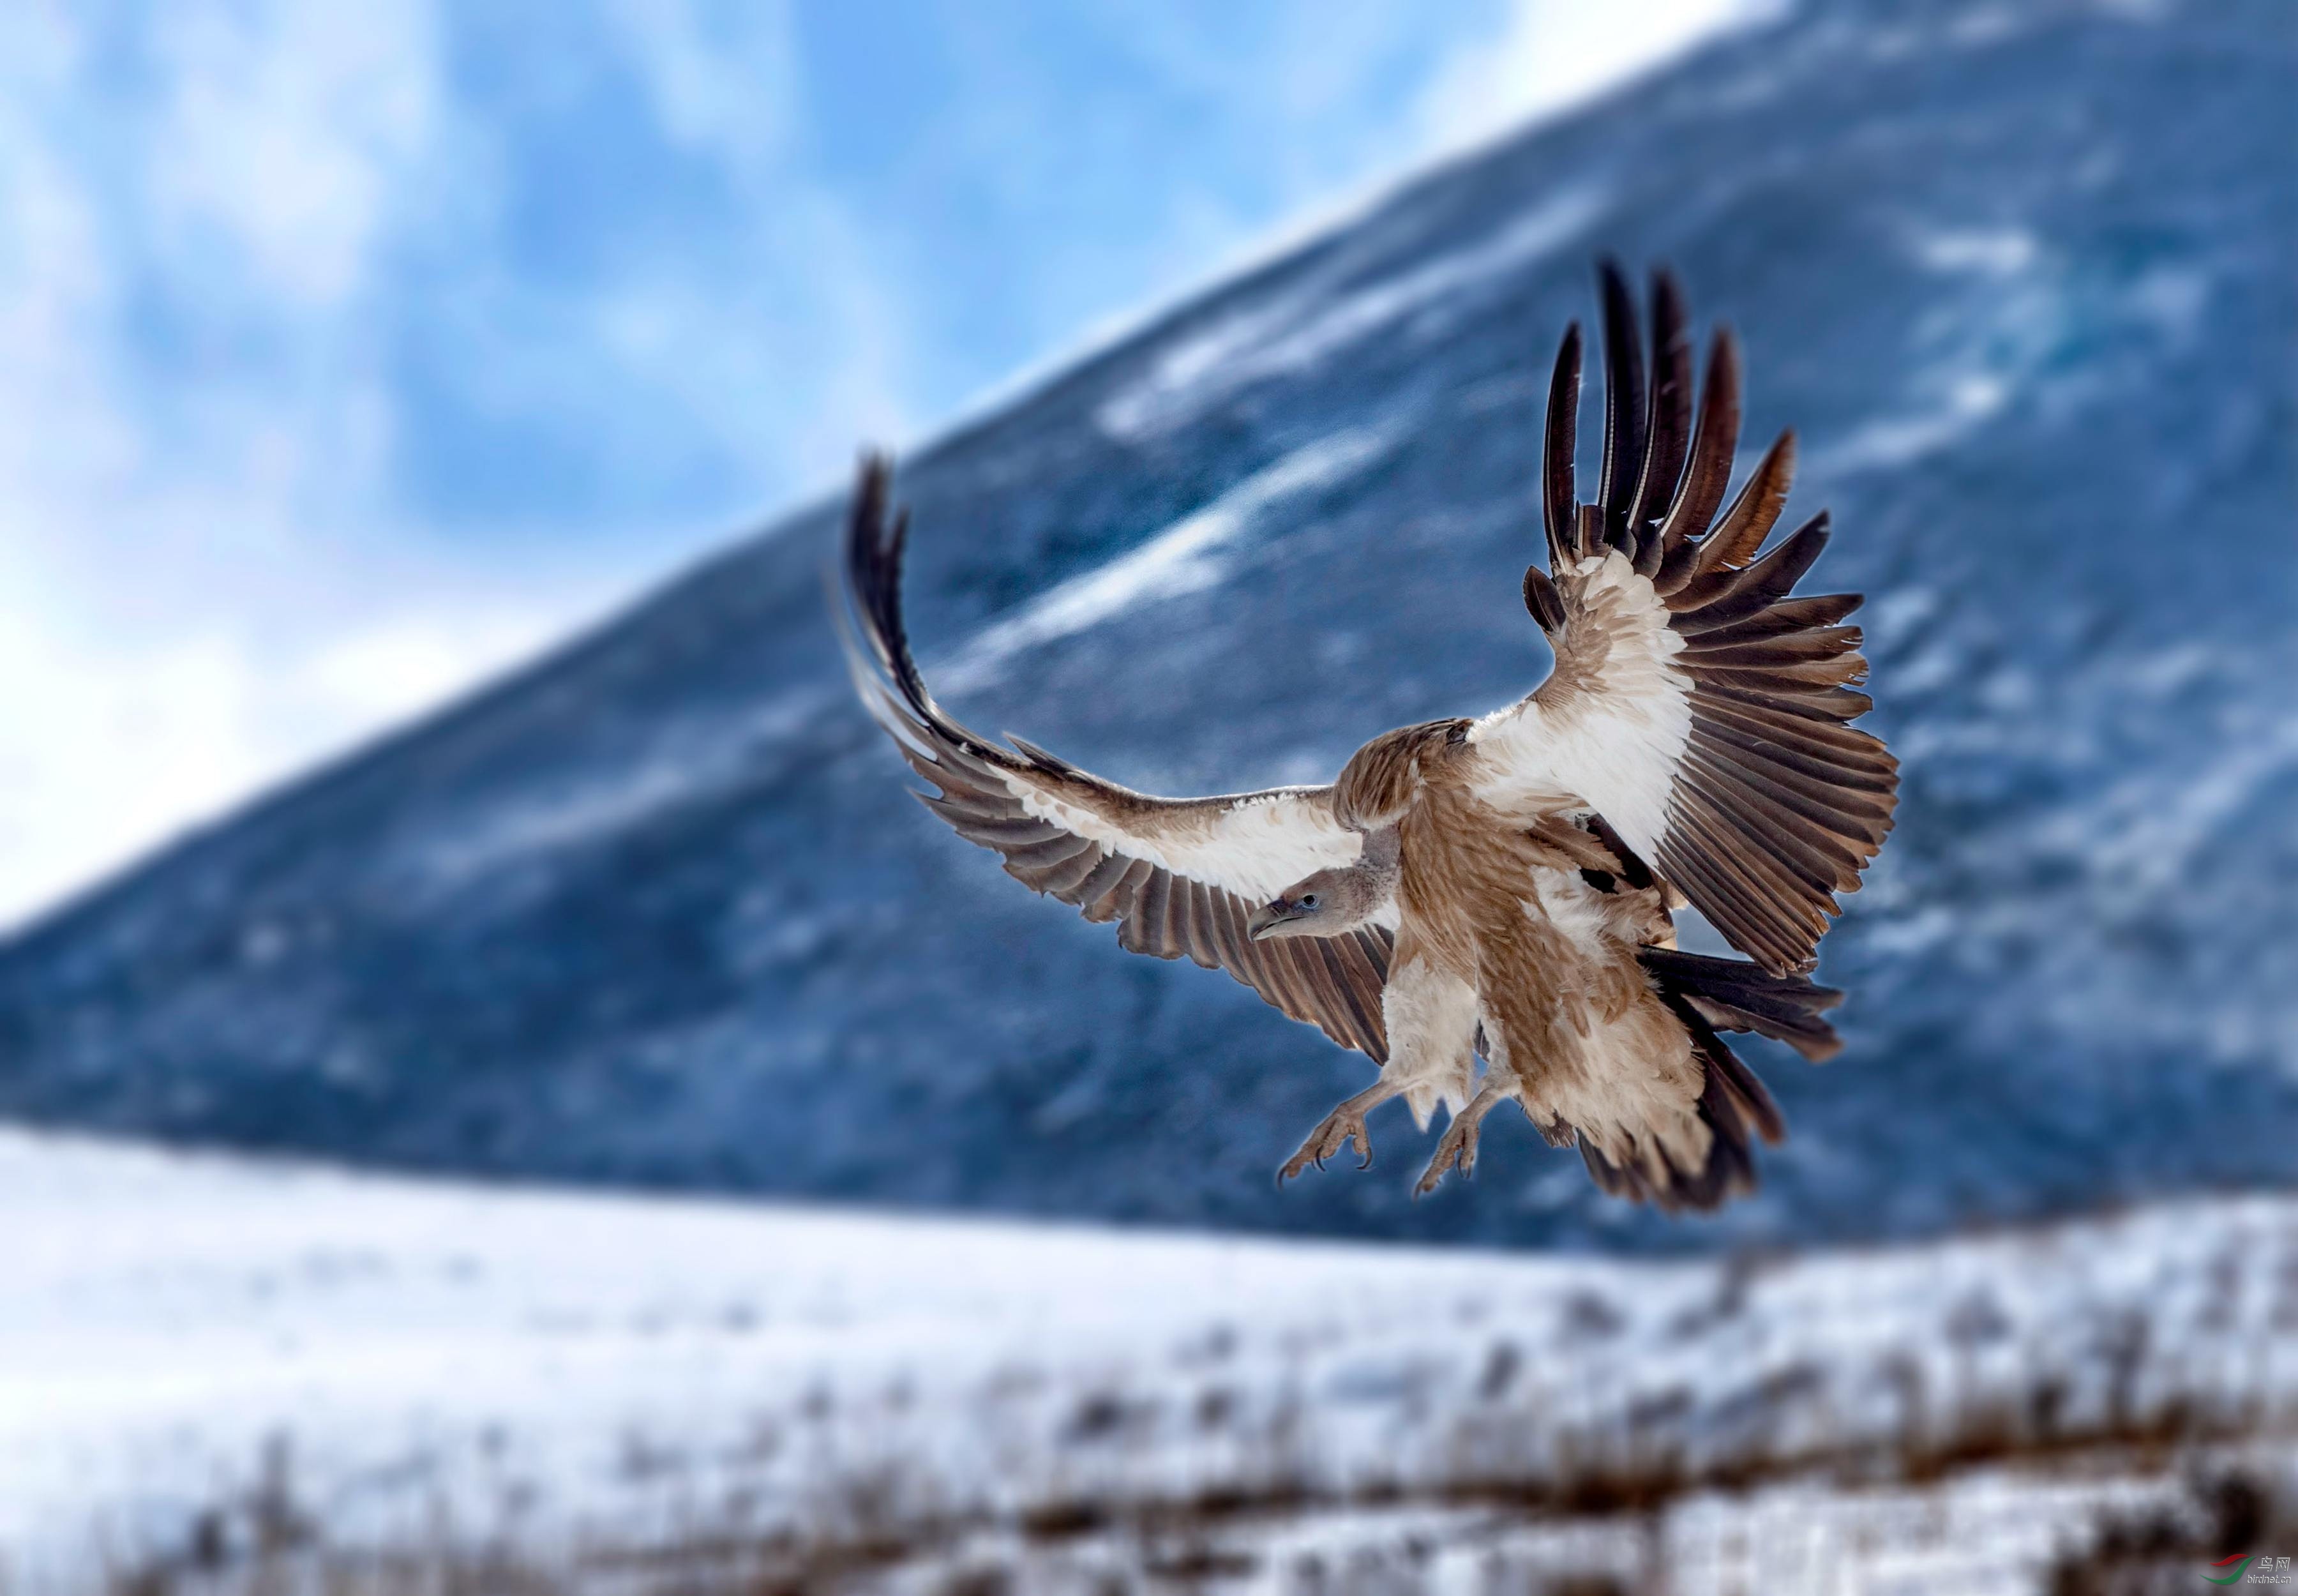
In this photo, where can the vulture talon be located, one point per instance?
(1457, 1150)
(1343, 1125)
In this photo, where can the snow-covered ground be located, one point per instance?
(190, 1344)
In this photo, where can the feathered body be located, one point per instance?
(1501, 889)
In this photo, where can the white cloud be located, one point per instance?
(285, 128)
(1551, 55)
(724, 76)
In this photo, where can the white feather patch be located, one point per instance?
(1566, 903)
(1431, 1020)
(1613, 743)
(1255, 848)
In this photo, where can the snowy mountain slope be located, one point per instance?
(656, 910)
(192, 1347)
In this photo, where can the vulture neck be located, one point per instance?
(1377, 869)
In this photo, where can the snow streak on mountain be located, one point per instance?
(658, 910)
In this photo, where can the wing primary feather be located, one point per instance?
(1353, 1002)
(1052, 765)
(1169, 921)
(1788, 677)
(1744, 526)
(1792, 616)
(1707, 602)
(1669, 431)
(1812, 645)
(1096, 884)
(1203, 947)
(1805, 844)
(1708, 473)
(1380, 946)
(1818, 738)
(1590, 537)
(957, 804)
(1726, 906)
(1737, 899)
(1836, 703)
(1015, 832)
(1279, 978)
(1229, 937)
(1730, 742)
(1144, 927)
(1774, 869)
(1030, 863)
(1774, 896)
(1752, 929)
(1623, 404)
(1561, 439)
(1117, 898)
(1541, 599)
(1316, 985)
(1854, 817)
(1063, 879)
(874, 550)
(1324, 988)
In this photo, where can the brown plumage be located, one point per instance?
(1501, 889)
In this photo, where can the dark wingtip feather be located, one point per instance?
(1707, 471)
(874, 570)
(1668, 436)
(1728, 596)
(1050, 763)
(1561, 439)
(875, 545)
(1541, 599)
(1624, 403)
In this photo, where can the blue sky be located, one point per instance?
(348, 353)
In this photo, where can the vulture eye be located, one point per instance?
(1308, 900)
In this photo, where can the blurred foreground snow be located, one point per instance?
(201, 1358)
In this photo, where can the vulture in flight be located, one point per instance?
(1498, 891)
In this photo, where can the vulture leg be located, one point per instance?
(1343, 1125)
(1430, 1018)
(1457, 1150)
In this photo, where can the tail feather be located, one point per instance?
(1734, 995)
(1713, 994)
(1735, 1108)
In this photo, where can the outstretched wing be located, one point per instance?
(1179, 875)
(1695, 704)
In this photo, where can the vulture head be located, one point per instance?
(1333, 900)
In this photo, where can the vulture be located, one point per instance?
(1482, 906)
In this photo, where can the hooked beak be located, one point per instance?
(1268, 917)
